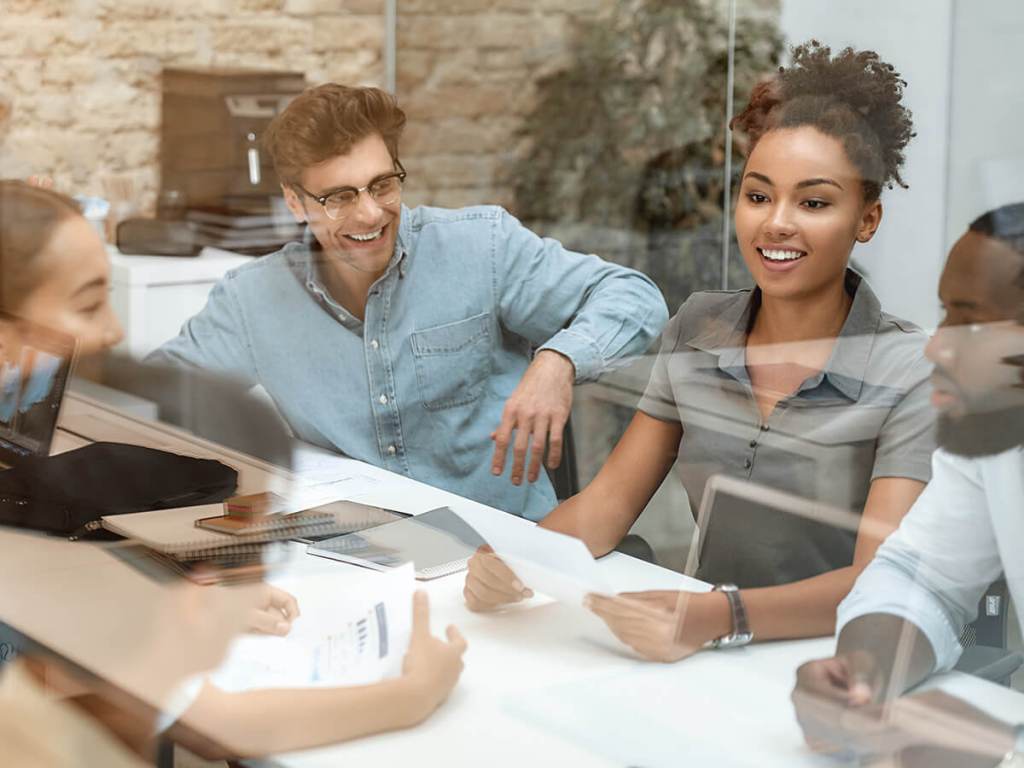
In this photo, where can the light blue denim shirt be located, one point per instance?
(419, 385)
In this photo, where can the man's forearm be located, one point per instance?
(901, 653)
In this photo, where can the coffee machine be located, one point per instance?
(213, 171)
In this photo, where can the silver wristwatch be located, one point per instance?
(741, 634)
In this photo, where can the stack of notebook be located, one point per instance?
(243, 231)
(173, 537)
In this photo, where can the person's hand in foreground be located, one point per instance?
(937, 757)
(534, 417)
(839, 705)
(491, 584)
(432, 666)
(664, 625)
(275, 613)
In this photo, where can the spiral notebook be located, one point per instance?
(173, 532)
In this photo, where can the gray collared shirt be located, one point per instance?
(865, 415)
(418, 385)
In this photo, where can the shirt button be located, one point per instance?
(392, 450)
(383, 399)
(747, 464)
(374, 344)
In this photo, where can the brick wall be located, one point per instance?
(466, 74)
(80, 79)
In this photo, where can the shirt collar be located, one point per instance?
(725, 336)
(307, 256)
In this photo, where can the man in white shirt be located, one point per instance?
(902, 620)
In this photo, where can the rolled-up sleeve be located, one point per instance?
(934, 569)
(214, 340)
(906, 440)
(596, 313)
(658, 399)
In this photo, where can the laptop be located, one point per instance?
(35, 363)
(781, 533)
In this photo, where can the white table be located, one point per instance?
(544, 684)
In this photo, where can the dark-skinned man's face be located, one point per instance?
(978, 348)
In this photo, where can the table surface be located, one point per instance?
(544, 683)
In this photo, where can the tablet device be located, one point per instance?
(437, 543)
(35, 363)
(350, 517)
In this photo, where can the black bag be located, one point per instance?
(66, 494)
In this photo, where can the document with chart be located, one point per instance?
(353, 631)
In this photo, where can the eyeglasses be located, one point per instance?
(340, 203)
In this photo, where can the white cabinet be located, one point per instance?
(154, 295)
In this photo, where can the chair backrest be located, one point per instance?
(565, 477)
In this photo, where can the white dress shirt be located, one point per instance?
(965, 529)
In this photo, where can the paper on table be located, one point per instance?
(552, 563)
(352, 630)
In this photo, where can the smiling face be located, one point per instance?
(71, 290)
(801, 208)
(978, 393)
(364, 240)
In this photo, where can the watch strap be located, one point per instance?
(741, 634)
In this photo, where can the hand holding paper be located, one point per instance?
(432, 666)
(491, 584)
(664, 625)
(524, 557)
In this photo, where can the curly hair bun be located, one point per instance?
(853, 96)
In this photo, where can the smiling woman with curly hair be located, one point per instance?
(802, 384)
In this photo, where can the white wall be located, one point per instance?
(986, 158)
(905, 258)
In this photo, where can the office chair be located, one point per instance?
(984, 639)
(565, 477)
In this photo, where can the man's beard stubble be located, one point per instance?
(983, 433)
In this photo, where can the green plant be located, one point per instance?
(630, 136)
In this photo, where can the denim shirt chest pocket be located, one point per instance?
(453, 361)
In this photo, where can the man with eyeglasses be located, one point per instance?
(426, 341)
(902, 619)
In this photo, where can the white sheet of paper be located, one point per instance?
(353, 631)
(548, 562)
